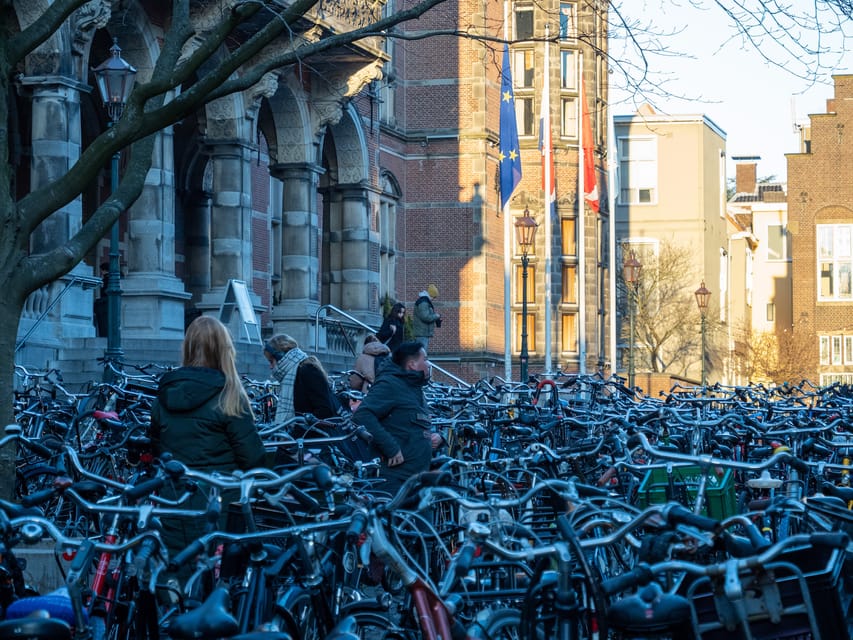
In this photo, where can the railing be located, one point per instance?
(341, 328)
(87, 282)
(355, 321)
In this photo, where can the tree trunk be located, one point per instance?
(10, 314)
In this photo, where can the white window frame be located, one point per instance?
(836, 356)
(568, 72)
(784, 257)
(642, 163)
(569, 117)
(823, 342)
(834, 252)
(516, 11)
(848, 349)
(521, 56)
(827, 379)
(568, 21)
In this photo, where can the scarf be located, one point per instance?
(285, 373)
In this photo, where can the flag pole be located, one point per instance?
(507, 252)
(581, 232)
(548, 185)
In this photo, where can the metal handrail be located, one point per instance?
(341, 312)
(87, 282)
(372, 330)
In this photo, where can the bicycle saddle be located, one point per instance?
(210, 620)
(650, 610)
(35, 628)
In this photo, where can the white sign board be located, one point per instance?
(237, 295)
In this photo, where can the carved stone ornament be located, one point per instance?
(264, 88)
(85, 21)
(351, 13)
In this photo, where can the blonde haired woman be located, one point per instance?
(202, 414)
(202, 417)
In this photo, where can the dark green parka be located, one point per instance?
(187, 422)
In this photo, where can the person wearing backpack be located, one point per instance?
(424, 318)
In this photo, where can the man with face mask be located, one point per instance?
(396, 415)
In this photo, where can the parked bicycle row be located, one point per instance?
(565, 507)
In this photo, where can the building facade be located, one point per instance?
(820, 214)
(362, 175)
(670, 211)
(762, 318)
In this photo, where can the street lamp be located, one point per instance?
(631, 274)
(115, 79)
(525, 231)
(703, 296)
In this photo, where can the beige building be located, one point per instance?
(670, 210)
(760, 258)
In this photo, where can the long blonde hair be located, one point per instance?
(207, 343)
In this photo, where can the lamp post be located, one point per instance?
(115, 79)
(525, 231)
(631, 274)
(703, 296)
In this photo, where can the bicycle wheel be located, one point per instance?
(295, 614)
(497, 624)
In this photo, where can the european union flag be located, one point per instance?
(509, 156)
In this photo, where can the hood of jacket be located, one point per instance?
(188, 388)
(403, 376)
(376, 349)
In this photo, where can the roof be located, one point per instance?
(764, 192)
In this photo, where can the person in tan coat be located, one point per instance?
(366, 363)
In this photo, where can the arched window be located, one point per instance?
(388, 236)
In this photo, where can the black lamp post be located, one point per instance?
(115, 79)
(525, 231)
(703, 296)
(631, 274)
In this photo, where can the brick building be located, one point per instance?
(366, 174)
(820, 215)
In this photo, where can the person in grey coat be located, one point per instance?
(424, 317)
(396, 415)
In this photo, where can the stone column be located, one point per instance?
(153, 298)
(56, 142)
(354, 278)
(197, 242)
(230, 223)
(300, 256)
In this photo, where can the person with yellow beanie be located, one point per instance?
(424, 317)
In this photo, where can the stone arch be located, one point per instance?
(833, 213)
(349, 253)
(287, 125)
(350, 148)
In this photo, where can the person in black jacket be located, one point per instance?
(203, 418)
(396, 415)
(393, 329)
(304, 386)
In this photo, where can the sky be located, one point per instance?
(754, 102)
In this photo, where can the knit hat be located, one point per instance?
(432, 291)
